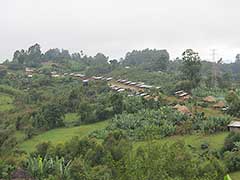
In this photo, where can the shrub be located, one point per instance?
(232, 160)
(229, 142)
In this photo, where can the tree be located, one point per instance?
(100, 59)
(34, 55)
(237, 60)
(53, 114)
(191, 66)
(149, 59)
(234, 104)
(79, 170)
(31, 57)
(50, 116)
(114, 63)
(52, 54)
(117, 103)
(230, 140)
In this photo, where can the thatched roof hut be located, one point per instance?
(182, 109)
(220, 104)
(209, 99)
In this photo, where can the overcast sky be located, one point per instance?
(117, 26)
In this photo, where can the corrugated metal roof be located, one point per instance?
(234, 124)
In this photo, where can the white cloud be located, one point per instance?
(117, 26)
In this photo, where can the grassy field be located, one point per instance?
(215, 141)
(235, 175)
(61, 135)
(5, 102)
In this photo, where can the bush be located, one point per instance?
(214, 124)
(229, 142)
(232, 160)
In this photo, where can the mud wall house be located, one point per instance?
(234, 126)
(29, 70)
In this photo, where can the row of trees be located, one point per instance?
(189, 65)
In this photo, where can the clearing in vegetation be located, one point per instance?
(61, 135)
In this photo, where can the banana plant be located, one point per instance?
(62, 168)
(227, 177)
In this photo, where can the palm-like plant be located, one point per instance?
(62, 168)
(40, 167)
(227, 177)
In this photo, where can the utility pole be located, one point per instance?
(214, 68)
(213, 54)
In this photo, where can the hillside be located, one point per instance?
(134, 118)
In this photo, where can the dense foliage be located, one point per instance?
(116, 159)
(163, 122)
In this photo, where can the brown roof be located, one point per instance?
(209, 99)
(182, 109)
(220, 104)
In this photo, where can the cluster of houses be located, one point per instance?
(136, 84)
(138, 89)
(133, 93)
(135, 88)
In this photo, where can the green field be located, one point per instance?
(6, 102)
(235, 175)
(61, 135)
(215, 141)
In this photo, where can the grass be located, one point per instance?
(71, 118)
(210, 111)
(215, 141)
(235, 175)
(6, 102)
(60, 135)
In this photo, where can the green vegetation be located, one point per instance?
(164, 122)
(61, 135)
(73, 116)
(235, 175)
(214, 141)
(6, 102)
(115, 159)
(71, 119)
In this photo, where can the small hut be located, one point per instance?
(220, 104)
(182, 109)
(234, 126)
(209, 99)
